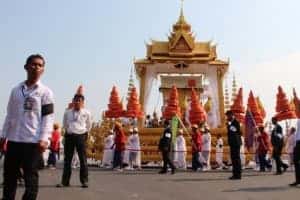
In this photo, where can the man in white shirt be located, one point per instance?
(77, 123)
(206, 148)
(181, 150)
(27, 127)
(134, 148)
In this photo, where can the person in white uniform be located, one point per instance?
(27, 127)
(108, 152)
(206, 147)
(181, 150)
(77, 122)
(290, 145)
(134, 149)
(242, 152)
(219, 151)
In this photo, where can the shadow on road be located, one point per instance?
(260, 189)
(193, 179)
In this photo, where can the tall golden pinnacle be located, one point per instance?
(181, 19)
(181, 24)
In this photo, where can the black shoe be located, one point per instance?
(235, 178)
(62, 185)
(162, 172)
(294, 184)
(173, 171)
(84, 185)
(285, 167)
(278, 173)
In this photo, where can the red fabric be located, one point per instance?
(263, 143)
(120, 140)
(4, 146)
(197, 142)
(54, 141)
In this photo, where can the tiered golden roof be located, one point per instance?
(181, 45)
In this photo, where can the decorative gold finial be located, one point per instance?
(181, 17)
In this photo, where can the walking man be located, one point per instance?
(165, 148)
(27, 127)
(234, 141)
(77, 123)
(277, 143)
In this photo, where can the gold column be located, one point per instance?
(220, 76)
(141, 71)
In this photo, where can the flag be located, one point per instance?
(174, 127)
(250, 128)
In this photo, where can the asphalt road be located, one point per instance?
(148, 185)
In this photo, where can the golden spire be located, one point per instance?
(234, 88)
(181, 30)
(181, 19)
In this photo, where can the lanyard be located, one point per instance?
(23, 88)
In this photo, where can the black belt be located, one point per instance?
(76, 133)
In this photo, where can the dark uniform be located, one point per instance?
(234, 141)
(277, 143)
(165, 148)
(296, 155)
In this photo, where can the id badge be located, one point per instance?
(28, 104)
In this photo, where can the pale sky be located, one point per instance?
(94, 42)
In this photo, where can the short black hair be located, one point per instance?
(274, 119)
(78, 96)
(167, 122)
(34, 56)
(229, 112)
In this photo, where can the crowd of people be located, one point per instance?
(29, 130)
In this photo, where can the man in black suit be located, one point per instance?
(234, 141)
(277, 143)
(165, 148)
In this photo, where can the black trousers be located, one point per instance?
(196, 161)
(52, 158)
(277, 157)
(236, 161)
(263, 162)
(297, 161)
(73, 141)
(167, 161)
(25, 156)
(118, 159)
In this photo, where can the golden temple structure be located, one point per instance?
(185, 62)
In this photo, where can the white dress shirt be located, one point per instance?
(109, 141)
(77, 122)
(206, 142)
(181, 145)
(290, 143)
(134, 142)
(26, 124)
